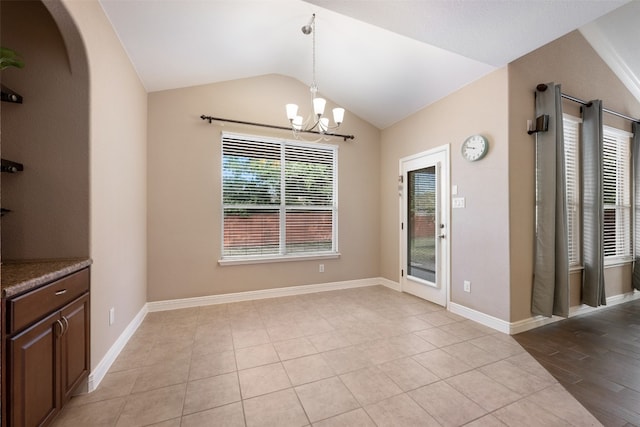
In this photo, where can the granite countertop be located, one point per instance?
(21, 276)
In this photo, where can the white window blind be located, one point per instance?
(616, 166)
(571, 128)
(279, 197)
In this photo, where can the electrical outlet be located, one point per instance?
(112, 315)
(321, 268)
(467, 286)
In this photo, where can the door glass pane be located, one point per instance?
(422, 224)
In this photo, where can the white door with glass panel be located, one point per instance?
(424, 225)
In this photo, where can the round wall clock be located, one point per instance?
(475, 147)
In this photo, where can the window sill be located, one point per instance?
(608, 263)
(274, 259)
(616, 262)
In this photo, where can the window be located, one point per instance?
(571, 138)
(616, 170)
(279, 198)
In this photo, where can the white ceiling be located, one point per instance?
(380, 59)
(615, 37)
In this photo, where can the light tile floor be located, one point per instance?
(359, 357)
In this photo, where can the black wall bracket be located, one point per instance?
(542, 124)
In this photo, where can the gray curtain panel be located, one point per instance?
(592, 208)
(551, 269)
(635, 150)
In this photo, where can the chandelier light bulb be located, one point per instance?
(338, 115)
(318, 106)
(292, 111)
(297, 122)
(324, 124)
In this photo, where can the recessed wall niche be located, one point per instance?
(48, 133)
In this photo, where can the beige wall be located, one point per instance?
(117, 139)
(492, 238)
(479, 233)
(184, 195)
(48, 134)
(571, 62)
(155, 178)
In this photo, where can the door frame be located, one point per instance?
(445, 215)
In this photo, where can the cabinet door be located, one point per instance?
(34, 360)
(74, 345)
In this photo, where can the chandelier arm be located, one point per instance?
(315, 125)
(211, 119)
(305, 125)
(329, 127)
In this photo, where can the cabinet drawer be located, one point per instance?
(26, 309)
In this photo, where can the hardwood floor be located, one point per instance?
(596, 357)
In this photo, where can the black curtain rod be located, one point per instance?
(218, 119)
(543, 87)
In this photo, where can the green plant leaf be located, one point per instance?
(10, 58)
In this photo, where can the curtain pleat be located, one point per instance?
(551, 270)
(635, 150)
(592, 206)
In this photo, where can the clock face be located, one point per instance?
(475, 147)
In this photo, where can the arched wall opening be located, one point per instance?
(48, 133)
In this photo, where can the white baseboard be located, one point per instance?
(389, 284)
(480, 317)
(532, 323)
(265, 293)
(97, 375)
(611, 301)
(537, 321)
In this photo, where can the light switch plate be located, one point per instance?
(457, 202)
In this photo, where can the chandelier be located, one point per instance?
(316, 122)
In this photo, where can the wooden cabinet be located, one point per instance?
(34, 356)
(74, 347)
(47, 342)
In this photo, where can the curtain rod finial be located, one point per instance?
(541, 87)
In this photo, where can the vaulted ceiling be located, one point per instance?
(380, 59)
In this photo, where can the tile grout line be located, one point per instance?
(373, 304)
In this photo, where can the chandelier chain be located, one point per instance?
(313, 52)
(315, 122)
